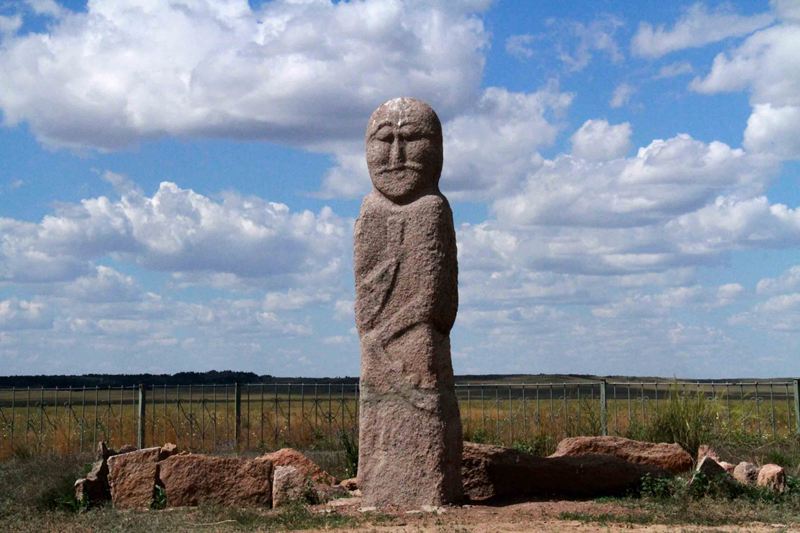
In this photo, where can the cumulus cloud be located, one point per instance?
(597, 139)
(104, 285)
(175, 230)
(513, 124)
(698, 26)
(767, 66)
(296, 72)
(664, 179)
(730, 224)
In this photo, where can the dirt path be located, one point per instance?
(519, 517)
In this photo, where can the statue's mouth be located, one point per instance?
(400, 168)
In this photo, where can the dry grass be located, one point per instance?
(65, 422)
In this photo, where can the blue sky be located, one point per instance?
(180, 179)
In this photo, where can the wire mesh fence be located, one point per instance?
(262, 416)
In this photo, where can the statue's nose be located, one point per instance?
(398, 151)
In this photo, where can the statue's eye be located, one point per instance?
(384, 135)
(412, 134)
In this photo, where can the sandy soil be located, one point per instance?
(516, 517)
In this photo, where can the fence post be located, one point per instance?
(140, 418)
(237, 414)
(603, 409)
(797, 406)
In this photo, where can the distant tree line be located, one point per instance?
(181, 378)
(230, 376)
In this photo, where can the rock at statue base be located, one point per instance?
(497, 473)
(292, 457)
(772, 477)
(746, 473)
(289, 485)
(132, 478)
(670, 457)
(205, 479)
(406, 278)
(93, 488)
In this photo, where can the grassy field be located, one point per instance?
(315, 417)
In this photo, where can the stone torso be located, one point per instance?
(405, 265)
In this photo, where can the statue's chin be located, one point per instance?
(399, 186)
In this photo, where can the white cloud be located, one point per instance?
(728, 293)
(698, 26)
(781, 304)
(9, 24)
(664, 179)
(599, 140)
(788, 281)
(18, 314)
(779, 309)
(768, 66)
(293, 299)
(344, 310)
(176, 230)
(674, 69)
(575, 43)
(641, 305)
(49, 8)
(487, 148)
(296, 72)
(598, 35)
(622, 94)
(730, 224)
(105, 285)
(774, 130)
(786, 9)
(520, 47)
(339, 340)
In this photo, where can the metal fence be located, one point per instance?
(240, 417)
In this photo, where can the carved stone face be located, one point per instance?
(404, 149)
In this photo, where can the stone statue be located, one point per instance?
(406, 276)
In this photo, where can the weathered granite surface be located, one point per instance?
(194, 479)
(669, 457)
(132, 478)
(493, 473)
(406, 278)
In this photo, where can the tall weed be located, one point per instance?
(687, 419)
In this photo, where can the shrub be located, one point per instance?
(540, 445)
